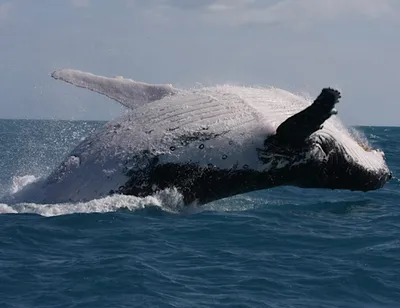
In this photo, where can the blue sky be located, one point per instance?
(297, 45)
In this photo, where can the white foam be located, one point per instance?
(19, 182)
(169, 200)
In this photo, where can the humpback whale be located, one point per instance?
(211, 143)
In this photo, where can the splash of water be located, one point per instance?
(168, 200)
(19, 182)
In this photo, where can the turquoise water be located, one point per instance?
(284, 247)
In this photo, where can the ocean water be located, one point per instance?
(283, 247)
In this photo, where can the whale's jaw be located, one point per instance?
(352, 176)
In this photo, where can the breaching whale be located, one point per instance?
(211, 143)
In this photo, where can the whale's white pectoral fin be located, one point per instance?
(128, 92)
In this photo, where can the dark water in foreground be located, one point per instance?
(283, 247)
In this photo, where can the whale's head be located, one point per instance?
(316, 150)
(328, 160)
(342, 161)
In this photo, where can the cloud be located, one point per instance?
(5, 9)
(80, 3)
(241, 12)
(226, 5)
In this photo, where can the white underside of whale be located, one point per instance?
(241, 117)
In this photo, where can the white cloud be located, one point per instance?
(241, 12)
(5, 9)
(80, 3)
(329, 9)
(225, 5)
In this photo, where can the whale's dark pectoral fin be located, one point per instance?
(296, 129)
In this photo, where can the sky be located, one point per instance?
(297, 45)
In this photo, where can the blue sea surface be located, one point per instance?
(283, 247)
